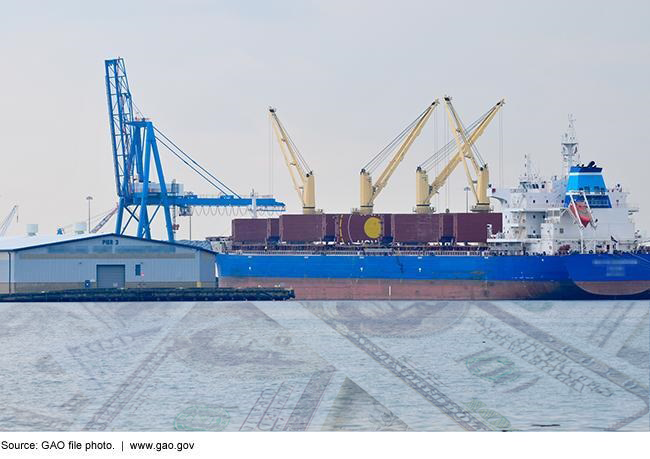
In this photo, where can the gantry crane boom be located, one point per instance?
(465, 139)
(301, 175)
(370, 190)
(4, 226)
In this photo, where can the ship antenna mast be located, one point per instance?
(570, 155)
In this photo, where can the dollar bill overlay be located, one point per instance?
(325, 366)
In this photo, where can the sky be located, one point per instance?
(345, 76)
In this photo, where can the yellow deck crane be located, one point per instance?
(461, 149)
(400, 145)
(301, 175)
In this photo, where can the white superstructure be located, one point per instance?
(574, 212)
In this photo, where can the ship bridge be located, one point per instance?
(587, 182)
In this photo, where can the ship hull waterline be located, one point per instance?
(381, 289)
(413, 277)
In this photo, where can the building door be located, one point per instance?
(111, 276)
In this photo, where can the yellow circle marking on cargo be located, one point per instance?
(372, 227)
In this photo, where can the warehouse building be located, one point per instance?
(46, 263)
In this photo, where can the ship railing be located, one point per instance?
(374, 253)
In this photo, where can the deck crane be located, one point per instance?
(301, 174)
(400, 145)
(464, 151)
(134, 142)
(4, 226)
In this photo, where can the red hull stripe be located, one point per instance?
(383, 289)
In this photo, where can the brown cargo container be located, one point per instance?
(416, 228)
(387, 225)
(272, 229)
(446, 227)
(249, 230)
(362, 228)
(302, 228)
(331, 221)
(472, 227)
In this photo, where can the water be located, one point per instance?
(333, 366)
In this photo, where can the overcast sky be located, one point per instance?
(345, 76)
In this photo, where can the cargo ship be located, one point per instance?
(568, 237)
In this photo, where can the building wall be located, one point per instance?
(207, 268)
(4, 272)
(70, 264)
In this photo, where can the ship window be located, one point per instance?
(561, 230)
(138, 270)
(533, 201)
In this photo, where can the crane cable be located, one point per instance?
(501, 148)
(222, 187)
(217, 185)
(301, 160)
(444, 153)
(472, 146)
(230, 211)
(189, 161)
(435, 148)
(271, 156)
(379, 158)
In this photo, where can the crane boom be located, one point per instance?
(104, 220)
(370, 191)
(4, 226)
(139, 176)
(301, 175)
(464, 141)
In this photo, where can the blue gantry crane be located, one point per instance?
(141, 186)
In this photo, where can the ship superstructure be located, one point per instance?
(575, 212)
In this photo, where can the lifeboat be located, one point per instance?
(580, 211)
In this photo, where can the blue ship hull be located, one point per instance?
(335, 276)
